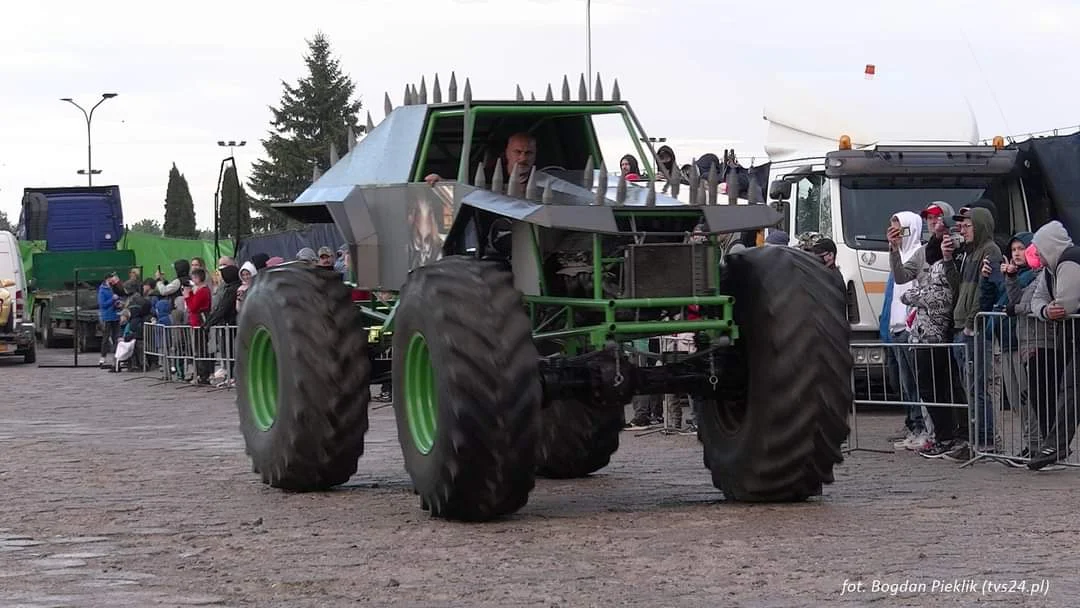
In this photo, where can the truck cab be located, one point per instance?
(844, 170)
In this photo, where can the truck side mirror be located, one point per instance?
(780, 190)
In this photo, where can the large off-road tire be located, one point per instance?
(777, 434)
(576, 439)
(467, 391)
(302, 374)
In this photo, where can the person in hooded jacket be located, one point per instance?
(895, 327)
(1019, 276)
(977, 230)
(225, 314)
(172, 289)
(667, 167)
(938, 217)
(1056, 296)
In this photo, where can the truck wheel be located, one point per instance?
(466, 382)
(576, 439)
(302, 379)
(776, 432)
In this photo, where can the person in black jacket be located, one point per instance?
(224, 315)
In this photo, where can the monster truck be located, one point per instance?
(513, 308)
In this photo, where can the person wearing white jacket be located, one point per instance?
(909, 227)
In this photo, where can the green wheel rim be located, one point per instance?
(262, 379)
(421, 403)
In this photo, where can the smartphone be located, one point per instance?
(905, 231)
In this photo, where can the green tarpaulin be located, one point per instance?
(150, 251)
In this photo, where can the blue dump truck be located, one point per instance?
(81, 227)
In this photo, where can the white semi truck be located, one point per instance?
(847, 154)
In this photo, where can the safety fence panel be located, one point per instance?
(1025, 390)
(192, 355)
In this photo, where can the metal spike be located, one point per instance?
(703, 193)
(714, 185)
(423, 91)
(531, 189)
(676, 181)
(514, 187)
(620, 190)
(590, 169)
(350, 140)
(532, 96)
(333, 154)
(451, 89)
(408, 96)
(497, 177)
(436, 90)
(415, 95)
(549, 194)
(316, 173)
(370, 125)
(601, 186)
(549, 96)
(755, 189)
(582, 90)
(650, 196)
(480, 180)
(468, 92)
(565, 88)
(519, 96)
(616, 95)
(598, 92)
(695, 179)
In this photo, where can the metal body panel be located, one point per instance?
(523, 259)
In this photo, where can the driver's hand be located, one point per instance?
(893, 234)
(432, 179)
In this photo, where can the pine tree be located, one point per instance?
(179, 207)
(235, 203)
(147, 226)
(316, 111)
(5, 224)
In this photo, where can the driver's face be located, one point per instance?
(522, 151)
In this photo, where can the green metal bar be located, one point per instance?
(533, 228)
(667, 327)
(600, 304)
(612, 260)
(546, 110)
(466, 146)
(597, 267)
(374, 314)
(671, 302)
(569, 332)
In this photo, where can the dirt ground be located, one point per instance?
(117, 492)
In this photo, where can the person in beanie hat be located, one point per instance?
(326, 257)
(777, 238)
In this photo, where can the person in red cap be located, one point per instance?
(938, 216)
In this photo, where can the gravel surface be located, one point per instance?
(118, 492)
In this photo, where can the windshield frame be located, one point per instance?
(958, 191)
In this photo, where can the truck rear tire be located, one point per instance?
(777, 434)
(576, 439)
(466, 382)
(302, 379)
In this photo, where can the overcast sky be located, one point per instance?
(189, 74)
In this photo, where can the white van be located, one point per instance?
(16, 327)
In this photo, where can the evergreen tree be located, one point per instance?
(235, 204)
(316, 111)
(5, 224)
(147, 226)
(179, 208)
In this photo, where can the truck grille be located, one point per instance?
(659, 270)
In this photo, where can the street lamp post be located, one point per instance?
(89, 172)
(231, 158)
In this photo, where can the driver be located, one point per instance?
(520, 149)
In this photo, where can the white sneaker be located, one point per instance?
(923, 441)
(906, 442)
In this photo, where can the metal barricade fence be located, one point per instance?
(191, 355)
(1025, 389)
(925, 380)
